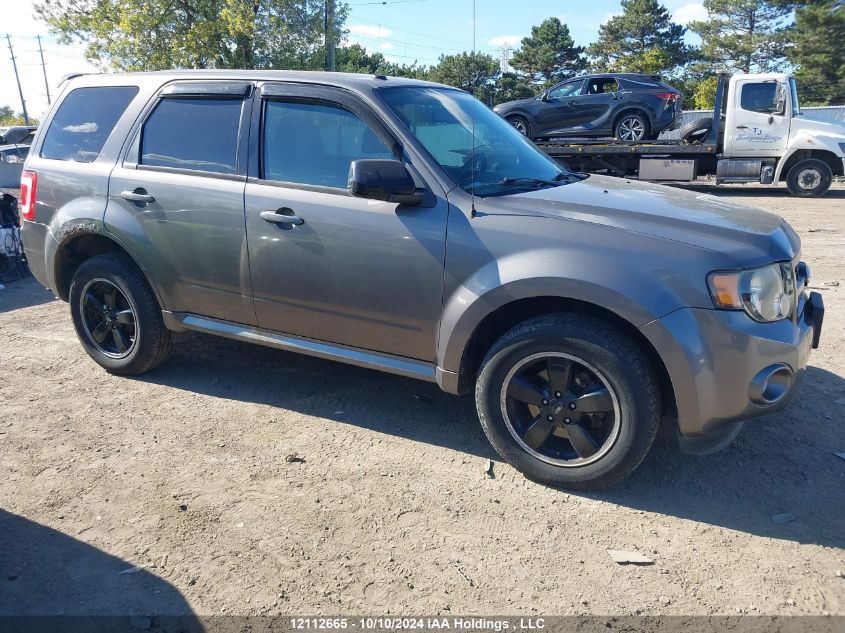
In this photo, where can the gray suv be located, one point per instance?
(403, 226)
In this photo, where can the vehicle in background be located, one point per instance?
(756, 134)
(402, 225)
(17, 134)
(625, 106)
(12, 158)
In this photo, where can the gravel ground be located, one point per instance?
(243, 480)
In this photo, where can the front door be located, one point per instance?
(557, 114)
(761, 119)
(356, 272)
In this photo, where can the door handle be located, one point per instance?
(281, 217)
(573, 102)
(138, 196)
(742, 127)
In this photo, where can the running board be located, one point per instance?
(181, 321)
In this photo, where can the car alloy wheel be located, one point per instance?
(108, 318)
(560, 409)
(631, 128)
(520, 125)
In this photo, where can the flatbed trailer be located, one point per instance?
(747, 139)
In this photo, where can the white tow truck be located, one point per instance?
(757, 134)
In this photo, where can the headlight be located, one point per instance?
(766, 293)
(842, 147)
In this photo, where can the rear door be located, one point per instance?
(357, 272)
(177, 197)
(592, 107)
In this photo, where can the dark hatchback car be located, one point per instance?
(626, 106)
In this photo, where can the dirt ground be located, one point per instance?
(172, 492)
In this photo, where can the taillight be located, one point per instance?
(29, 185)
(668, 96)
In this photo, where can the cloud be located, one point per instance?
(386, 46)
(689, 12)
(372, 32)
(504, 40)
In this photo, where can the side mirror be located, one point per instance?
(780, 101)
(545, 96)
(387, 180)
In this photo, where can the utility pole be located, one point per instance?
(17, 77)
(330, 43)
(44, 69)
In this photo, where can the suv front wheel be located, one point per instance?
(569, 401)
(116, 316)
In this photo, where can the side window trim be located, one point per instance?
(132, 152)
(318, 94)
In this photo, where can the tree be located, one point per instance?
(473, 72)
(744, 35)
(510, 87)
(549, 54)
(819, 60)
(357, 59)
(8, 117)
(642, 39)
(135, 35)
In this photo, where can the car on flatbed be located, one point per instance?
(626, 106)
(403, 226)
(757, 134)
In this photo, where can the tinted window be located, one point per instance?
(566, 90)
(601, 86)
(759, 97)
(314, 143)
(199, 134)
(84, 121)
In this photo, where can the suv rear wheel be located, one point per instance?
(116, 316)
(632, 126)
(569, 401)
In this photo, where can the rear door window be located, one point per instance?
(84, 121)
(199, 134)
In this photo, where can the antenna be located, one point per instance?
(471, 83)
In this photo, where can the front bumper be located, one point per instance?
(714, 357)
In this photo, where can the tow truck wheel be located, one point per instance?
(809, 178)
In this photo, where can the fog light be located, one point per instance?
(770, 385)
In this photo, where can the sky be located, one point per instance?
(403, 30)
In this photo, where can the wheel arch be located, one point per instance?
(81, 242)
(793, 156)
(632, 109)
(506, 316)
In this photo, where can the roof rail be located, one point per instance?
(70, 76)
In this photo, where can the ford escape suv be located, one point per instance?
(403, 226)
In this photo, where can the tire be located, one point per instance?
(599, 356)
(110, 300)
(521, 124)
(695, 132)
(632, 127)
(809, 178)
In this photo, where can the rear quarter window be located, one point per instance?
(84, 121)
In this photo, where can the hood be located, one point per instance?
(748, 235)
(826, 132)
(510, 105)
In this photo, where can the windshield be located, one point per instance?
(443, 119)
(793, 91)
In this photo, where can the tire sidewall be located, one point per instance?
(524, 122)
(112, 270)
(823, 186)
(643, 119)
(635, 435)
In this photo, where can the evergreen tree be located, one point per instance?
(549, 54)
(473, 72)
(818, 51)
(744, 35)
(642, 39)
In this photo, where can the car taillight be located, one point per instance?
(29, 184)
(668, 96)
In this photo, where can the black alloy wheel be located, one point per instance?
(108, 318)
